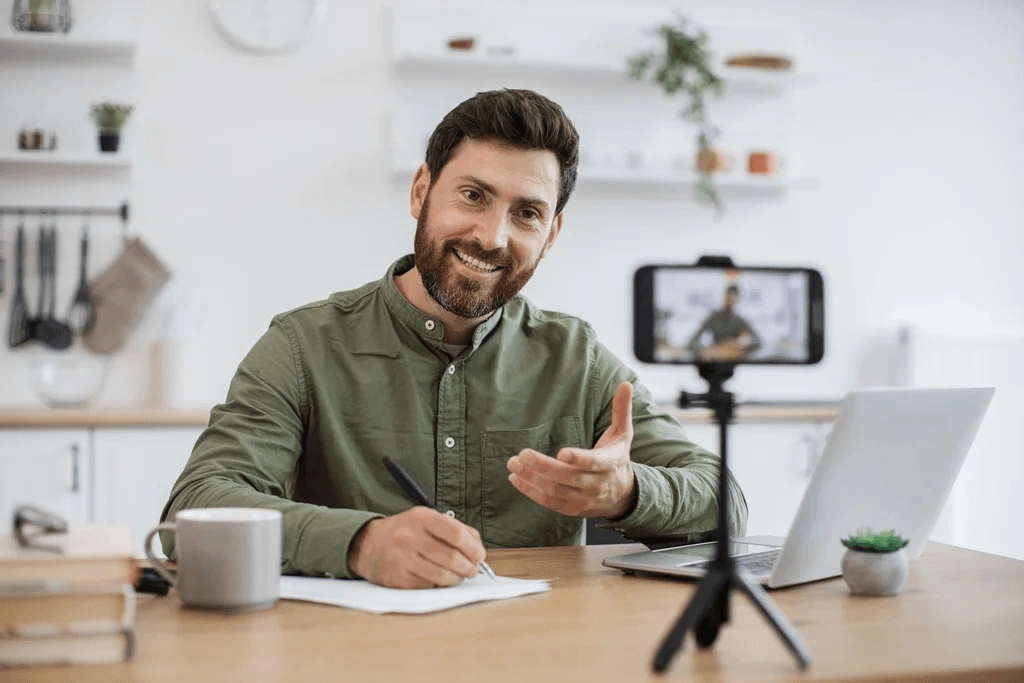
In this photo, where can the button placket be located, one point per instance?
(451, 465)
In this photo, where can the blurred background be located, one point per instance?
(265, 152)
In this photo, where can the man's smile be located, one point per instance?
(474, 263)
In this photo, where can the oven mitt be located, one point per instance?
(121, 295)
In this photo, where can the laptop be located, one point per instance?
(889, 463)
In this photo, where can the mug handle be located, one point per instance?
(158, 566)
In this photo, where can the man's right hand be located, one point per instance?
(418, 548)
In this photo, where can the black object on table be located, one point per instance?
(151, 582)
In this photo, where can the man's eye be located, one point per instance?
(471, 195)
(530, 214)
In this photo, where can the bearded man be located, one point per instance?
(516, 422)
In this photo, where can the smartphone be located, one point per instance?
(691, 315)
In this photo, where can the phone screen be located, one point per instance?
(731, 315)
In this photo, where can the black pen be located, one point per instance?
(416, 493)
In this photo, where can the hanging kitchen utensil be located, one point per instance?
(41, 270)
(82, 313)
(19, 330)
(54, 333)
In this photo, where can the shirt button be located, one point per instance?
(449, 442)
(429, 324)
(451, 369)
(451, 513)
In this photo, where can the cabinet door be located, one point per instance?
(47, 468)
(773, 463)
(135, 471)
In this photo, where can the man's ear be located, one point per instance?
(420, 187)
(556, 228)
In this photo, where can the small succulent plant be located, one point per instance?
(110, 117)
(868, 542)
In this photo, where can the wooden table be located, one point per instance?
(960, 618)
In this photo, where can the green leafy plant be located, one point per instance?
(683, 65)
(110, 117)
(867, 541)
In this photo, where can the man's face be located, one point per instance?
(485, 224)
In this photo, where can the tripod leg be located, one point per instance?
(704, 598)
(775, 616)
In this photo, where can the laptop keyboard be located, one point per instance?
(758, 565)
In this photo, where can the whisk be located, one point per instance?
(82, 314)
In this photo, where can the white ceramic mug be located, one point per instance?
(227, 558)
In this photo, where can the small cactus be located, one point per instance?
(867, 541)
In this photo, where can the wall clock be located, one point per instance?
(266, 25)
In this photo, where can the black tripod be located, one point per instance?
(709, 607)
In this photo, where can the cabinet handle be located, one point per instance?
(812, 454)
(74, 468)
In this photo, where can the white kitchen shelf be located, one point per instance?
(63, 46)
(472, 63)
(669, 178)
(44, 159)
(627, 177)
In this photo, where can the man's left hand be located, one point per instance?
(582, 482)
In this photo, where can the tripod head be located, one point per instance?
(716, 397)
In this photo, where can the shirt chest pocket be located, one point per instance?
(509, 518)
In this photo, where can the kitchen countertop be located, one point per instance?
(44, 418)
(51, 418)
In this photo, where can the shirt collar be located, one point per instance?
(424, 325)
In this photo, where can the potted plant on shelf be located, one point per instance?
(47, 16)
(110, 118)
(684, 66)
(875, 564)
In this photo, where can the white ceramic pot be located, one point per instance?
(875, 573)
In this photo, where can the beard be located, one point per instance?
(453, 291)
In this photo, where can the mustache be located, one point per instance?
(498, 257)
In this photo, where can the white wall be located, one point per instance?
(263, 183)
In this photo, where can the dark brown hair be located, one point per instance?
(522, 118)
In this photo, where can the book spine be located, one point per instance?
(129, 644)
(9, 660)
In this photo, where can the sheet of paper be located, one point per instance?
(365, 596)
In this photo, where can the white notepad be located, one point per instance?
(365, 596)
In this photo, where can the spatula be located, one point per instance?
(54, 333)
(19, 331)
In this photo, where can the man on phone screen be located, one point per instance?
(732, 337)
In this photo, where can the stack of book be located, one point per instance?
(74, 604)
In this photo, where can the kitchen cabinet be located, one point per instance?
(135, 470)
(48, 468)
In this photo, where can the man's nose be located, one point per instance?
(492, 232)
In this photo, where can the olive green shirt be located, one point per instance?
(333, 387)
(724, 326)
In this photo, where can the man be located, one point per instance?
(515, 421)
(732, 338)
